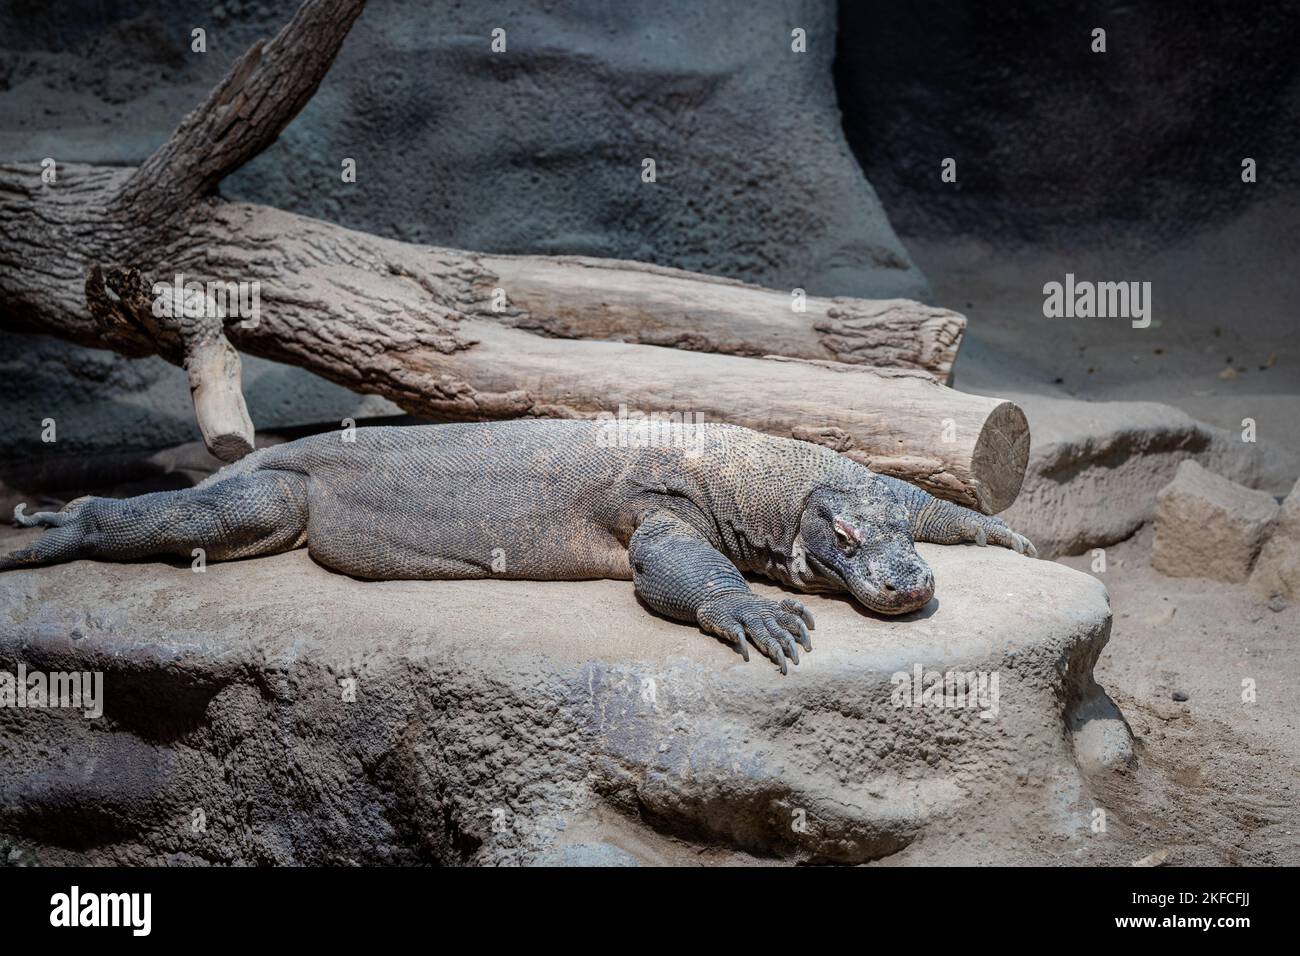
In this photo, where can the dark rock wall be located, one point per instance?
(1056, 144)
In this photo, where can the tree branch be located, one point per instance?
(246, 113)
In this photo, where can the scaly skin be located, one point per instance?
(682, 510)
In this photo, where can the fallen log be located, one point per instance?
(582, 297)
(416, 324)
(445, 333)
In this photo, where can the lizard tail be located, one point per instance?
(244, 514)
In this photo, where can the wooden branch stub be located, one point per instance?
(120, 303)
(216, 387)
(190, 334)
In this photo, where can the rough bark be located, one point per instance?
(579, 297)
(454, 334)
(417, 324)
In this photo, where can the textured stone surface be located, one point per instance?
(1044, 149)
(534, 150)
(1208, 526)
(1277, 570)
(510, 721)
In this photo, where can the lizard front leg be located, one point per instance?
(680, 574)
(941, 522)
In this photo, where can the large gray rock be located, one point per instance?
(1208, 526)
(534, 150)
(508, 721)
(1277, 570)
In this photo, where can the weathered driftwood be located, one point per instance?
(455, 334)
(581, 297)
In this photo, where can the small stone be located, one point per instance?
(1163, 616)
(1179, 695)
(1208, 526)
(1152, 859)
(1276, 575)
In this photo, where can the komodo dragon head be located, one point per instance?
(859, 540)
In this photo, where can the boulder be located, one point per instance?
(271, 711)
(1208, 526)
(1095, 467)
(1277, 570)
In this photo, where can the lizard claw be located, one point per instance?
(777, 628)
(1024, 545)
(47, 519)
(997, 531)
(795, 625)
(738, 633)
(797, 607)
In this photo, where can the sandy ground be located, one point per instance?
(1216, 781)
(1221, 345)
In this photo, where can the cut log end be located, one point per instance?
(1000, 458)
(228, 446)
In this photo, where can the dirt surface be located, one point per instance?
(1217, 779)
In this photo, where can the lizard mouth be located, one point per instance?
(881, 598)
(827, 579)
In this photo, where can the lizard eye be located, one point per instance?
(846, 535)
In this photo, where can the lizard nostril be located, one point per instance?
(889, 587)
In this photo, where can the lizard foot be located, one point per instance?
(777, 628)
(996, 531)
(46, 519)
